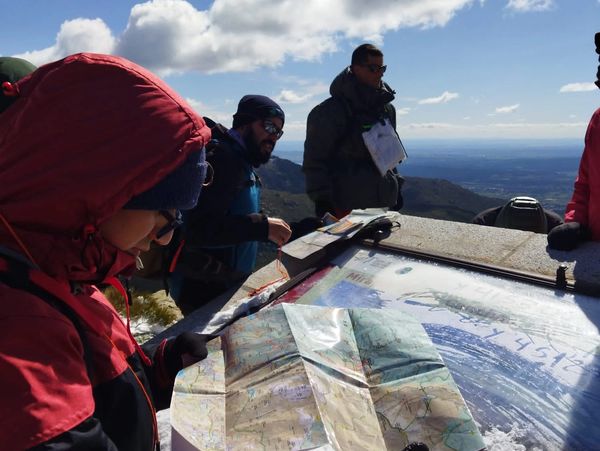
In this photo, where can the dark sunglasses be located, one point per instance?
(173, 222)
(272, 129)
(375, 68)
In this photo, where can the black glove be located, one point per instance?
(376, 230)
(305, 226)
(185, 349)
(567, 236)
(322, 207)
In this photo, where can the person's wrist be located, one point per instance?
(187, 343)
(257, 217)
(164, 377)
(263, 226)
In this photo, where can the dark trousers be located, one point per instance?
(196, 293)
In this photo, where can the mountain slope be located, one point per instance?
(284, 195)
(441, 199)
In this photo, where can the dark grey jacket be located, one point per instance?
(338, 168)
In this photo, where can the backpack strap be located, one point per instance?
(17, 274)
(220, 136)
(253, 181)
(390, 113)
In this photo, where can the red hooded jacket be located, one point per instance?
(584, 206)
(86, 134)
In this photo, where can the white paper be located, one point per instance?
(385, 146)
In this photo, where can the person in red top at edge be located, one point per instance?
(97, 157)
(582, 215)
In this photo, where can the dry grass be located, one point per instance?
(155, 308)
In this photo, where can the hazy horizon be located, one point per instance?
(471, 148)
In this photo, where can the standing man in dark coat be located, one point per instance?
(340, 173)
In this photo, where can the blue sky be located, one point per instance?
(460, 68)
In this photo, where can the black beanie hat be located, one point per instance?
(12, 70)
(253, 107)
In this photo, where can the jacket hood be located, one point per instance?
(86, 134)
(362, 98)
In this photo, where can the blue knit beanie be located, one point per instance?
(178, 190)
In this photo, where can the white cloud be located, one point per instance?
(402, 111)
(216, 115)
(309, 91)
(74, 36)
(508, 109)
(444, 98)
(530, 5)
(578, 87)
(171, 36)
(429, 125)
(289, 96)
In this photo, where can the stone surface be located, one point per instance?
(511, 249)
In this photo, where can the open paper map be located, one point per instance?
(526, 358)
(305, 377)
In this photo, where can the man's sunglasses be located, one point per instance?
(173, 222)
(375, 68)
(272, 129)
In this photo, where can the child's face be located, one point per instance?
(132, 231)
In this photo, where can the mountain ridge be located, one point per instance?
(284, 195)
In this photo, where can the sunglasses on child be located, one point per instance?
(272, 129)
(374, 68)
(173, 222)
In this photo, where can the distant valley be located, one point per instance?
(284, 195)
(498, 169)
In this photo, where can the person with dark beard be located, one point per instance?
(220, 237)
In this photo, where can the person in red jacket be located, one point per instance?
(97, 155)
(582, 215)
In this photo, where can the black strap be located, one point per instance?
(17, 277)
